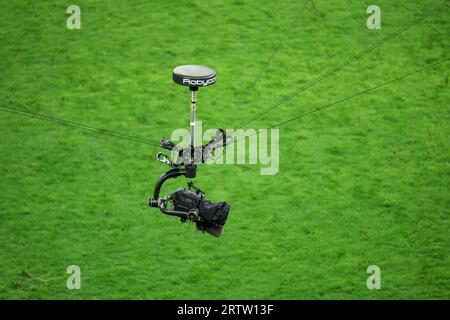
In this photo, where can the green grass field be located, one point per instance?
(364, 183)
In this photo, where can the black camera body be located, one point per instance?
(208, 216)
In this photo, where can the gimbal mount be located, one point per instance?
(190, 203)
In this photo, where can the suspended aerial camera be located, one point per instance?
(190, 203)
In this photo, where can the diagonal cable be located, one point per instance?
(348, 98)
(249, 91)
(75, 125)
(347, 62)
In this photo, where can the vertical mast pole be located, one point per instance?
(193, 107)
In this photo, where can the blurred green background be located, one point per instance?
(360, 184)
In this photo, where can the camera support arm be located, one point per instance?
(156, 202)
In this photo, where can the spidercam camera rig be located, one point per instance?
(190, 204)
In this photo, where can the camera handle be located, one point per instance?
(156, 202)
